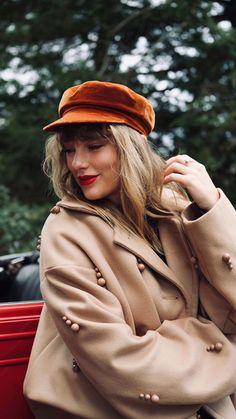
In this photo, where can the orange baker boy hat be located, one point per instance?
(98, 101)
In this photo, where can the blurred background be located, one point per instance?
(180, 54)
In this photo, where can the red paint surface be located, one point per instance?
(18, 324)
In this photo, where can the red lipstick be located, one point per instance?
(87, 179)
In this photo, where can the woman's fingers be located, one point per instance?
(192, 176)
(181, 158)
(176, 167)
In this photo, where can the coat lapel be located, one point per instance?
(141, 249)
(178, 255)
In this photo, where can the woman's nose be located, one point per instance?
(80, 161)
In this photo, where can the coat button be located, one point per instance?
(38, 243)
(68, 322)
(227, 260)
(101, 281)
(218, 347)
(193, 260)
(147, 396)
(155, 398)
(141, 267)
(55, 210)
(210, 348)
(75, 327)
(75, 366)
(226, 257)
(141, 396)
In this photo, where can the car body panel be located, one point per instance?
(18, 324)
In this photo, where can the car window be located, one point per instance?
(19, 277)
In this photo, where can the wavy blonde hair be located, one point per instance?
(141, 178)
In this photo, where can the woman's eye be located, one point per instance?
(69, 150)
(94, 146)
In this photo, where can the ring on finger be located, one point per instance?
(187, 159)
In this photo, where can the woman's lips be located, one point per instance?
(87, 180)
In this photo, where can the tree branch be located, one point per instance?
(115, 30)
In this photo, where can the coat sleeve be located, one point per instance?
(213, 240)
(170, 365)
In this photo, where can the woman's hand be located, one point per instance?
(192, 176)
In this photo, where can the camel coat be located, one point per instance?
(125, 335)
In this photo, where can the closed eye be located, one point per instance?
(69, 150)
(94, 146)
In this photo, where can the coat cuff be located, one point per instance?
(194, 217)
(212, 237)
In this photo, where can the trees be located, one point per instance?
(19, 224)
(179, 54)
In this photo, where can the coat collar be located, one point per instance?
(74, 205)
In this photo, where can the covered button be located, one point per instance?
(226, 257)
(75, 366)
(55, 210)
(101, 281)
(218, 347)
(155, 398)
(75, 327)
(141, 266)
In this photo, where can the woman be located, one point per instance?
(139, 284)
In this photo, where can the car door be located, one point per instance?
(18, 324)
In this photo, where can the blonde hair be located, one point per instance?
(141, 178)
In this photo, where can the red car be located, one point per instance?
(19, 280)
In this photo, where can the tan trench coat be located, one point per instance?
(133, 345)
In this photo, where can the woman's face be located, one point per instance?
(94, 165)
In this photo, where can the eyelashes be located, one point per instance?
(90, 147)
(95, 146)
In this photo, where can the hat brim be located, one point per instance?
(79, 116)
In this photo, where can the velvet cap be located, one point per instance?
(98, 101)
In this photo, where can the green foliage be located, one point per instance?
(20, 224)
(180, 54)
